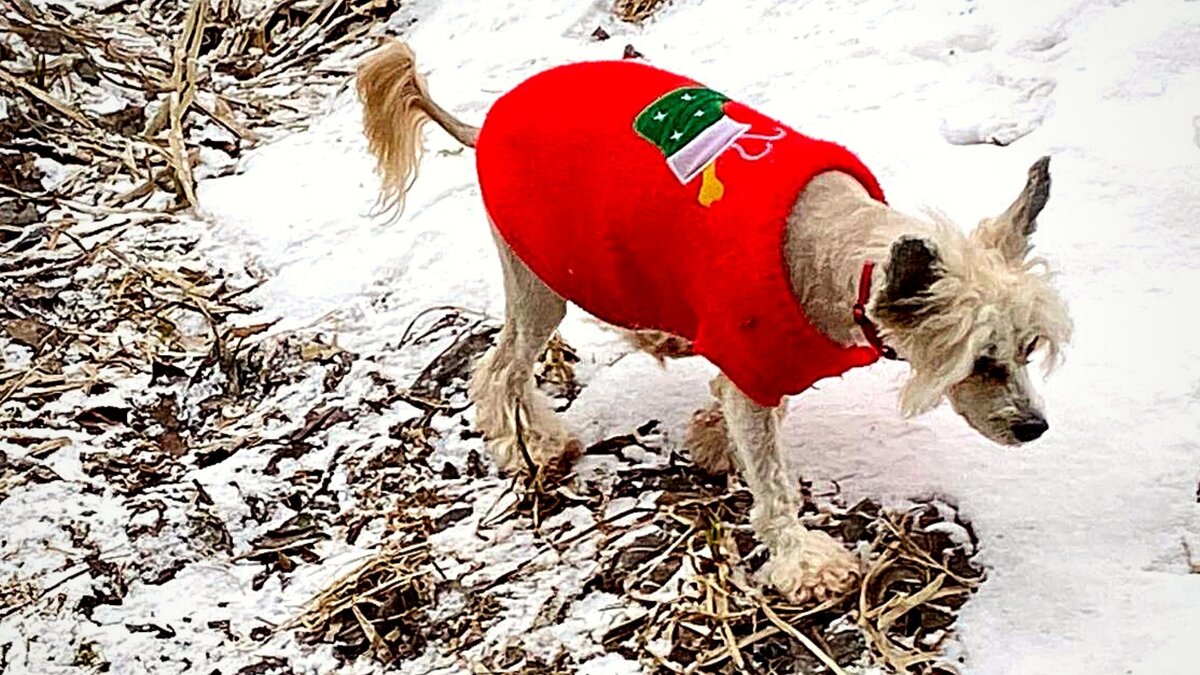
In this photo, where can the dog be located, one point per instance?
(704, 227)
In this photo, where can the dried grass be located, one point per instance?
(555, 372)
(704, 613)
(169, 54)
(637, 11)
(179, 71)
(378, 607)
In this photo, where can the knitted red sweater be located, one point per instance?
(653, 202)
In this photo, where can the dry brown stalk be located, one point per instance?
(183, 93)
(45, 97)
(637, 11)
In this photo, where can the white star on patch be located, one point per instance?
(686, 97)
(660, 116)
(677, 135)
(698, 113)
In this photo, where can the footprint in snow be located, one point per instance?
(997, 112)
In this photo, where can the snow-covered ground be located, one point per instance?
(948, 101)
(1083, 531)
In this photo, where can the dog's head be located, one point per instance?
(970, 312)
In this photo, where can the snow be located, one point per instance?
(1082, 532)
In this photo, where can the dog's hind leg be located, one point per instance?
(804, 564)
(510, 412)
(708, 441)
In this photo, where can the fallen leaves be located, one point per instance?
(102, 418)
(132, 470)
(278, 548)
(30, 332)
(317, 420)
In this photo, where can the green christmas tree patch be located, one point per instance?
(679, 117)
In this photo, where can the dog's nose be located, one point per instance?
(1030, 427)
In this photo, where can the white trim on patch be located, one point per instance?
(691, 159)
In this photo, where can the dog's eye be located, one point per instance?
(986, 366)
(1029, 348)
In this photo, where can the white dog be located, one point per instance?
(661, 206)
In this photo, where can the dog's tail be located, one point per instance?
(396, 106)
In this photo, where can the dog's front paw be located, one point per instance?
(818, 570)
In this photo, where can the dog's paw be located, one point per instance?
(658, 344)
(818, 570)
(534, 450)
(708, 441)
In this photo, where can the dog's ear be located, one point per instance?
(1010, 231)
(912, 267)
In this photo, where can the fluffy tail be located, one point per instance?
(396, 106)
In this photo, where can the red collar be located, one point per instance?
(860, 313)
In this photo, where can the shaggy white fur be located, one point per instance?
(510, 412)
(984, 297)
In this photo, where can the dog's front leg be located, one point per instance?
(804, 564)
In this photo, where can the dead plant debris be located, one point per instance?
(101, 287)
(686, 567)
(118, 339)
(381, 606)
(700, 609)
(637, 11)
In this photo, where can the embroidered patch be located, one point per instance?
(691, 129)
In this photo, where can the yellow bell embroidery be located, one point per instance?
(711, 187)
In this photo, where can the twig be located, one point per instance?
(801, 638)
(602, 522)
(404, 337)
(84, 569)
(1193, 565)
(46, 98)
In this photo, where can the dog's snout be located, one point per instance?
(1030, 427)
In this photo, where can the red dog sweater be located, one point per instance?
(653, 202)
